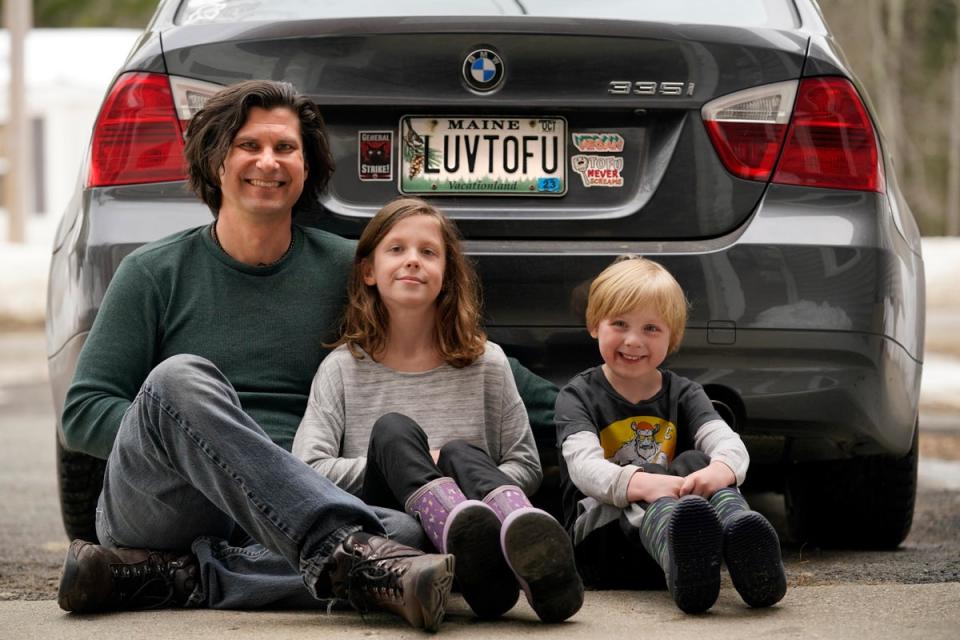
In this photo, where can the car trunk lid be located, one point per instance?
(605, 115)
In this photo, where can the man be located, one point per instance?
(192, 383)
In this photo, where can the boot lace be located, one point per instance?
(376, 578)
(144, 585)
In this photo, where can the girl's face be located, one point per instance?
(407, 265)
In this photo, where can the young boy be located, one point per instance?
(648, 464)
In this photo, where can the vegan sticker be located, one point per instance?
(598, 142)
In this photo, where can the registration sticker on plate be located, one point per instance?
(482, 156)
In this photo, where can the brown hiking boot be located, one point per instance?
(376, 573)
(98, 578)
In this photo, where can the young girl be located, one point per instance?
(415, 410)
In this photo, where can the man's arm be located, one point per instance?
(117, 356)
(538, 395)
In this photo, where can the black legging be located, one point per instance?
(399, 463)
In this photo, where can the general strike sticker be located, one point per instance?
(599, 171)
(598, 142)
(376, 155)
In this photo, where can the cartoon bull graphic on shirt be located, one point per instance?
(643, 447)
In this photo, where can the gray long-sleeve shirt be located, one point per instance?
(478, 403)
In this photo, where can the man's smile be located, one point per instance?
(264, 183)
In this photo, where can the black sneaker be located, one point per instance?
(98, 578)
(372, 572)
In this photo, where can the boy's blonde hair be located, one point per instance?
(632, 282)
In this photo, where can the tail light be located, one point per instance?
(138, 135)
(831, 142)
(747, 128)
(828, 141)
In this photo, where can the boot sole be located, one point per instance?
(486, 582)
(69, 578)
(695, 540)
(432, 589)
(76, 587)
(751, 550)
(539, 552)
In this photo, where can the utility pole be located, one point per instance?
(18, 16)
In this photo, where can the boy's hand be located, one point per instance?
(708, 480)
(647, 487)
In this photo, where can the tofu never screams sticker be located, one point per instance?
(599, 171)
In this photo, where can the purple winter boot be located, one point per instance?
(470, 530)
(540, 553)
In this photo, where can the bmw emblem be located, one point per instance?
(483, 70)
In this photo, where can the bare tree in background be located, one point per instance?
(886, 30)
(953, 164)
(905, 55)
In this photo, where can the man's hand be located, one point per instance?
(647, 487)
(708, 480)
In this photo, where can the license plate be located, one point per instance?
(483, 156)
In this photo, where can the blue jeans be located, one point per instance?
(188, 467)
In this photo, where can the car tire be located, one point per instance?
(861, 503)
(80, 479)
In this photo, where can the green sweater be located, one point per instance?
(261, 326)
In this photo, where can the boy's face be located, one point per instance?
(632, 344)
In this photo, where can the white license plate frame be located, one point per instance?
(483, 155)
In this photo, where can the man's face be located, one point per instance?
(263, 173)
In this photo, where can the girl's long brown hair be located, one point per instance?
(459, 338)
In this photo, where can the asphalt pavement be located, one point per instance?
(877, 612)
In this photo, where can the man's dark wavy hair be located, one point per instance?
(212, 130)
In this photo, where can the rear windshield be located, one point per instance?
(778, 14)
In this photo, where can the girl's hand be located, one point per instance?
(435, 454)
(647, 487)
(708, 480)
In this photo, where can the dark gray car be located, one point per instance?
(727, 140)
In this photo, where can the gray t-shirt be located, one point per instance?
(478, 403)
